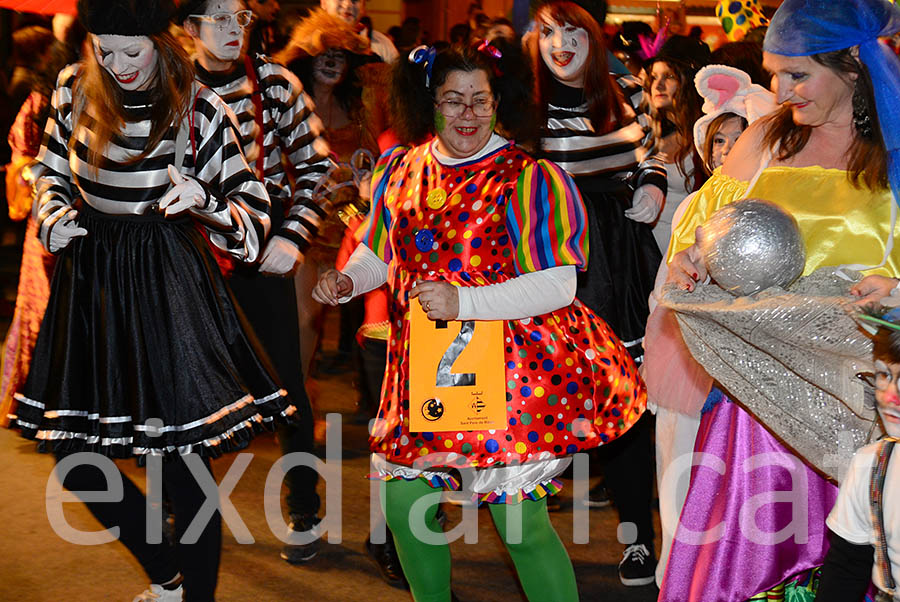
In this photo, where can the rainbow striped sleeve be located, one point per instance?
(377, 237)
(547, 221)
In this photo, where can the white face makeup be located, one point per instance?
(887, 397)
(564, 49)
(131, 60)
(329, 67)
(348, 10)
(219, 46)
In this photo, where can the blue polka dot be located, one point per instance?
(525, 391)
(465, 276)
(512, 422)
(734, 7)
(571, 448)
(560, 426)
(398, 431)
(428, 436)
(491, 446)
(403, 223)
(741, 19)
(403, 254)
(476, 243)
(503, 240)
(535, 335)
(533, 436)
(547, 365)
(571, 388)
(464, 216)
(519, 340)
(470, 188)
(616, 412)
(455, 265)
(511, 365)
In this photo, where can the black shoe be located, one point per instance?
(638, 566)
(598, 497)
(385, 557)
(300, 553)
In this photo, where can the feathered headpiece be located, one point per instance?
(321, 31)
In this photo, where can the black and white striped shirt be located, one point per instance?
(238, 215)
(570, 140)
(291, 130)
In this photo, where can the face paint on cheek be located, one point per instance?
(493, 121)
(440, 122)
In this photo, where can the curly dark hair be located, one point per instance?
(412, 102)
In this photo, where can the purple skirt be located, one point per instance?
(754, 515)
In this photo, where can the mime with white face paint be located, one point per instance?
(276, 122)
(142, 352)
(594, 128)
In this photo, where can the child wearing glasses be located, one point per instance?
(277, 126)
(865, 529)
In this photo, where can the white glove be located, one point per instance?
(646, 204)
(63, 231)
(186, 194)
(280, 256)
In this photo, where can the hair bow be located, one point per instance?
(424, 57)
(492, 51)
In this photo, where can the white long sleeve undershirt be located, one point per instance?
(530, 294)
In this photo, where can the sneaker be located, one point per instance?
(598, 497)
(160, 594)
(300, 553)
(638, 566)
(385, 557)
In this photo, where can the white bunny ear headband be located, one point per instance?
(728, 90)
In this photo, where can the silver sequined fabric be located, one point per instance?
(790, 357)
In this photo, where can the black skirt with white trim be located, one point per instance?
(141, 350)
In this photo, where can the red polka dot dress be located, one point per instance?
(570, 384)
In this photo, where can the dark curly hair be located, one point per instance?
(412, 102)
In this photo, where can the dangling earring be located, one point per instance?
(861, 119)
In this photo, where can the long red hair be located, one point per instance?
(603, 95)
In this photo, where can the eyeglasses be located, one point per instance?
(224, 20)
(453, 108)
(882, 378)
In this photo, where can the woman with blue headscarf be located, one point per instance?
(829, 156)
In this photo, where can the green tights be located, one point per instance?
(540, 558)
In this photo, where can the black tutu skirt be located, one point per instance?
(141, 350)
(623, 259)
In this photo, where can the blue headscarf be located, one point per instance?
(806, 27)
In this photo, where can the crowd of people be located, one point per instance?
(200, 182)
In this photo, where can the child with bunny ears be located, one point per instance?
(731, 103)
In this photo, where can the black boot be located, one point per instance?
(387, 561)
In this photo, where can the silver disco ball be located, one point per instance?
(750, 245)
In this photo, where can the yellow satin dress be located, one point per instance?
(841, 224)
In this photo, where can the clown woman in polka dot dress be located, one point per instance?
(470, 228)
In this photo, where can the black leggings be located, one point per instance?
(198, 563)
